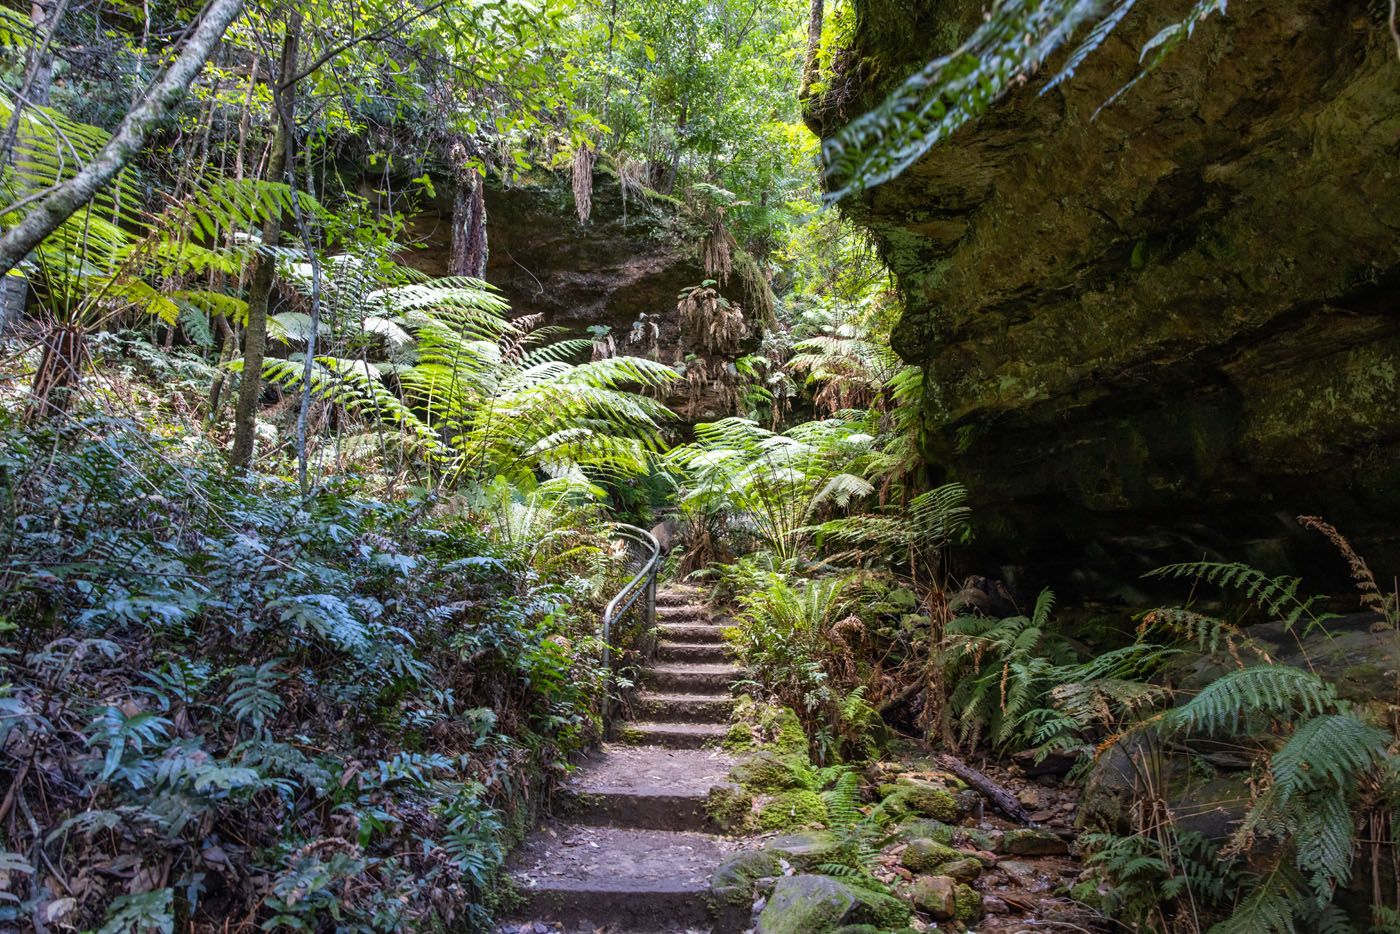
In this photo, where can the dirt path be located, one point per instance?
(638, 851)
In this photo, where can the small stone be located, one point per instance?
(1017, 869)
(935, 896)
(1041, 817)
(995, 906)
(1029, 798)
(1032, 842)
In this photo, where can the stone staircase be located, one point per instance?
(636, 852)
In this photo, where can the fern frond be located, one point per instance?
(1277, 690)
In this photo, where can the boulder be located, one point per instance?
(927, 799)
(935, 896)
(821, 905)
(966, 869)
(1209, 801)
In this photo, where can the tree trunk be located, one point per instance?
(675, 168)
(260, 287)
(59, 202)
(38, 82)
(56, 381)
(814, 43)
(469, 246)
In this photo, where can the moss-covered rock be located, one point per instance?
(731, 808)
(935, 896)
(734, 882)
(807, 849)
(968, 902)
(923, 828)
(966, 869)
(811, 904)
(927, 855)
(792, 810)
(767, 771)
(927, 799)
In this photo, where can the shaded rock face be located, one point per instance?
(631, 259)
(626, 261)
(1164, 330)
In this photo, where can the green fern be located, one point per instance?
(1276, 690)
(1327, 752)
(1277, 596)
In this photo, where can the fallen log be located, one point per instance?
(1002, 799)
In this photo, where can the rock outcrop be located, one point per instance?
(622, 270)
(1164, 330)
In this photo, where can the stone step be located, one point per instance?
(647, 788)
(670, 596)
(689, 679)
(684, 611)
(691, 632)
(693, 652)
(617, 878)
(675, 735)
(684, 708)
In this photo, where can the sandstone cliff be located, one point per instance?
(1164, 330)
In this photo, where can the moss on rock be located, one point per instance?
(929, 799)
(731, 808)
(767, 772)
(969, 904)
(793, 809)
(923, 828)
(927, 855)
(812, 904)
(736, 879)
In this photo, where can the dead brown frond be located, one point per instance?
(1372, 597)
(584, 158)
(514, 343)
(604, 347)
(711, 321)
(717, 251)
(758, 292)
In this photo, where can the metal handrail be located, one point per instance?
(642, 585)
